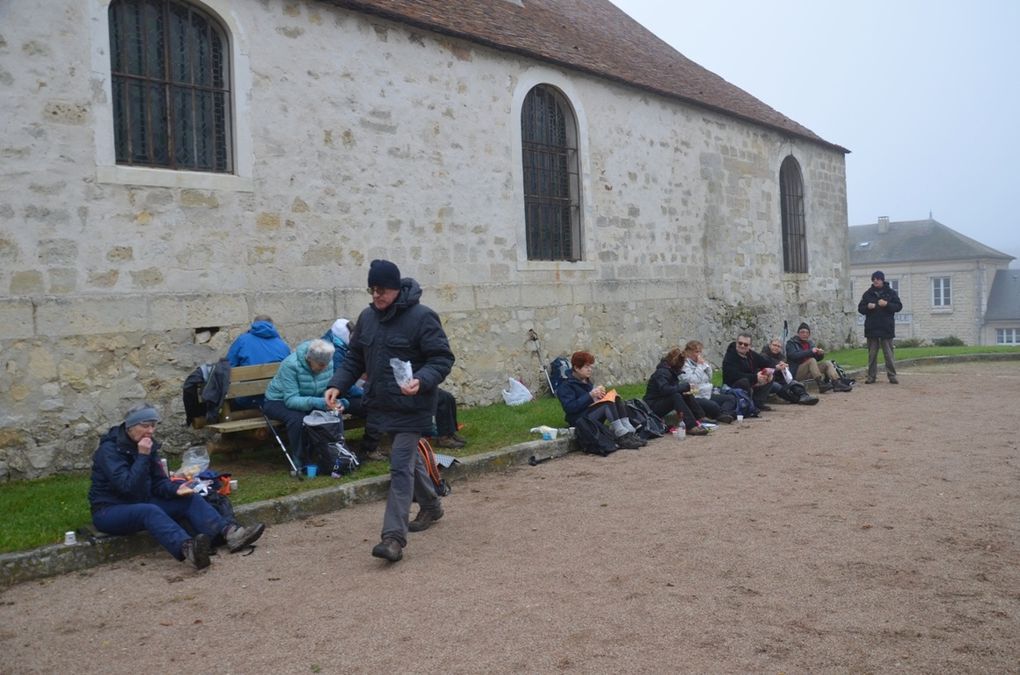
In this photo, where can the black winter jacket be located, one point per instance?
(881, 321)
(122, 476)
(574, 396)
(664, 383)
(406, 330)
(736, 367)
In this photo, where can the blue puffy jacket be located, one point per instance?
(261, 344)
(296, 385)
(574, 396)
(122, 476)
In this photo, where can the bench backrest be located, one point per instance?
(247, 381)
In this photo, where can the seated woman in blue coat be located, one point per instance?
(298, 388)
(580, 397)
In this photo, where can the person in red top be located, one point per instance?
(806, 362)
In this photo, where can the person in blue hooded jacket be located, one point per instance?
(260, 344)
(297, 389)
(131, 492)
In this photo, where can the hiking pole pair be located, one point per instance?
(279, 442)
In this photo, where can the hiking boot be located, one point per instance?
(840, 385)
(893, 380)
(628, 442)
(449, 442)
(697, 431)
(425, 518)
(725, 418)
(239, 538)
(457, 437)
(196, 551)
(765, 408)
(388, 549)
(375, 456)
(869, 380)
(824, 387)
(807, 399)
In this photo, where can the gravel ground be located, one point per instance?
(875, 531)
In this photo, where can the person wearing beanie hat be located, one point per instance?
(879, 305)
(383, 274)
(806, 362)
(396, 327)
(131, 492)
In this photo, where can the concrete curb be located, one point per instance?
(59, 559)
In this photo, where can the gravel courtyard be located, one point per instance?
(876, 531)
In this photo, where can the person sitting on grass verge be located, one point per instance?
(667, 393)
(697, 372)
(744, 368)
(298, 388)
(580, 397)
(806, 362)
(783, 383)
(130, 492)
(446, 421)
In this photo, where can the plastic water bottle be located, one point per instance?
(681, 431)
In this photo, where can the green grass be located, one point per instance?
(38, 512)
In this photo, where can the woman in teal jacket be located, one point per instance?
(298, 388)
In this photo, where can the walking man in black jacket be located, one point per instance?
(879, 305)
(397, 326)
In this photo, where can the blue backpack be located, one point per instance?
(745, 404)
(559, 370)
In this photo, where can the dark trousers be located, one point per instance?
(369, 437)
(719, 404)
(679, 403)
(159, 517)
(446, 413)
(607, 410)
(409, 480)
(759, 394)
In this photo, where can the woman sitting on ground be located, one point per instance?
(580, 397)
(666, 393)
(697, 372)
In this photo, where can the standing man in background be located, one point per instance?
(879, 305)
(397, 326)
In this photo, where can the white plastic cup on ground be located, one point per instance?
(70, 538)
(740, 418)
(233, 484)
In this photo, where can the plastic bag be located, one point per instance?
(402, 371)
(517, 393)
(194, 461)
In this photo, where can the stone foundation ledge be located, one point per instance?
(58, 559)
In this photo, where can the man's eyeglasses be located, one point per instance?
(375, 290)
(743, 344)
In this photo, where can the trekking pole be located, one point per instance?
(533, 336)
(279, 442)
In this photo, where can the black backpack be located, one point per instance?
(324, 444)
(194, 406)
(594, 438)
(647, 423)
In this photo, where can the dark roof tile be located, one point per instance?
(593, 36)
(1004, 298)
(914, 240)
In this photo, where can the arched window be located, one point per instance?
(171, 86)
(791, 190)
(552, 212)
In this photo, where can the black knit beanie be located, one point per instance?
(384, 274)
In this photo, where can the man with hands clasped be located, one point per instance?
(879, 305)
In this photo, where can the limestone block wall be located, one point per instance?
(359, 138)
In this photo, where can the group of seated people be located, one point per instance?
(681, 388)
(299, 385)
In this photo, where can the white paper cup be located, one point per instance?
(740, 418)
(70, 538)
(233, 484)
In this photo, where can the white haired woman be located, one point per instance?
(298, 388)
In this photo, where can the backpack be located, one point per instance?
(647, 423)
(745, 404)
(324, 444)
(191, 392)
(559, 370)
(843, 374)
(432, 467)
(594, 438)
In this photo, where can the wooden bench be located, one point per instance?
(251, 381)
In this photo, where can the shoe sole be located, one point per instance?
(256, 532)
(200, 548)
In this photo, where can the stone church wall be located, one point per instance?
(359, 138)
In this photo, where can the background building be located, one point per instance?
(943, 277)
